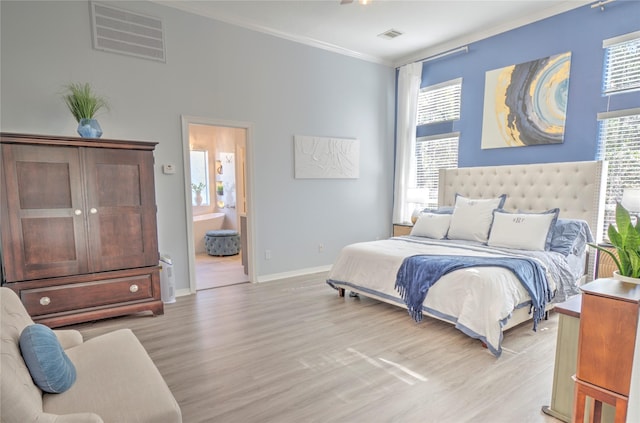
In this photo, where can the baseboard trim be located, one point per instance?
(293, 273)
(183, 292)
(273, 277)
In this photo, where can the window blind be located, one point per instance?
(432, 154)
(622, 63)
(619, 145)
(440, 102)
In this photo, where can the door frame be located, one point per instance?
(248, 177)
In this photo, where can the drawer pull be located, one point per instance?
(45, 301)
(93, 210)
(77, 212)
(133, 288)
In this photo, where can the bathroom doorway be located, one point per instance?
(216, 175)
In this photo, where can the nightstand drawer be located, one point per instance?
(76, 296)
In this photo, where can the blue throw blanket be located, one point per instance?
(418, 273)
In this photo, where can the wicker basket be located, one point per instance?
(605, 264)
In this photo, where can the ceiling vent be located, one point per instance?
(390, 34)
(120, 31)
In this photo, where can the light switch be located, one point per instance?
(168, 169)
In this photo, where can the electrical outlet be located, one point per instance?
(320, 247)
(267, 254)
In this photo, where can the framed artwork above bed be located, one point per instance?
(526, 104)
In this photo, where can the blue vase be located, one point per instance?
(89, 128)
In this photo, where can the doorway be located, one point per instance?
(217, 186)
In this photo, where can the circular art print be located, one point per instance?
(526, 104)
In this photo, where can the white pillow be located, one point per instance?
(524, 231)
(431, 225)
(471, 218)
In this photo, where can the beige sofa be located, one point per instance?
(116, 380)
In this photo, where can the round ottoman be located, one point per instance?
(222, 242)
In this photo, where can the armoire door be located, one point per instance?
(120, 199)
(43, 214)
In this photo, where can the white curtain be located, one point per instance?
(409, 80)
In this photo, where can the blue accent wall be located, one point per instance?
(579, 31)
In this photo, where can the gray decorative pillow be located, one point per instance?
(570, 236)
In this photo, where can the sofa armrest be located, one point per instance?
(117, 380)
(68, 338)
(70, 418)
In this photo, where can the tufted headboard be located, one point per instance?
(576, 188)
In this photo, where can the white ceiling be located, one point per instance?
(429, 27)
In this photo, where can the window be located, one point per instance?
(619, 131)
(199, 177)
(622, 63)
(432, 154)
(440, 102)
(437, 103)
(619, 145)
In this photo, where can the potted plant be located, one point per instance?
(198, 190)
(83, 104)
(625, 237)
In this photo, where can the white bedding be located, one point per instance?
(478, 300)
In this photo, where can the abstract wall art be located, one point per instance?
(320, 157)
(526, 104)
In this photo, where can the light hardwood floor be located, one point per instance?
(293, 351)
(214, 272)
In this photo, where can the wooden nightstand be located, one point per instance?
(400, 229)
(607, 348)
(561, 406)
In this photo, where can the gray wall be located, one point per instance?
(218, 71)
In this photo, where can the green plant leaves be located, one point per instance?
(199, 187)
(82, 102)
(623, 220)
(625, 236)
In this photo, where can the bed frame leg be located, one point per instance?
(341, 292)
(546, 315)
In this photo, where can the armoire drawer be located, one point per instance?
(60, 298)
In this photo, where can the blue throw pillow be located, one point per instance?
(439, 210)
(47, 362)
(570, 236)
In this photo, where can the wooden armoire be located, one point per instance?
(78, 222)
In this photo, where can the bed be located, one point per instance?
(471, 280)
